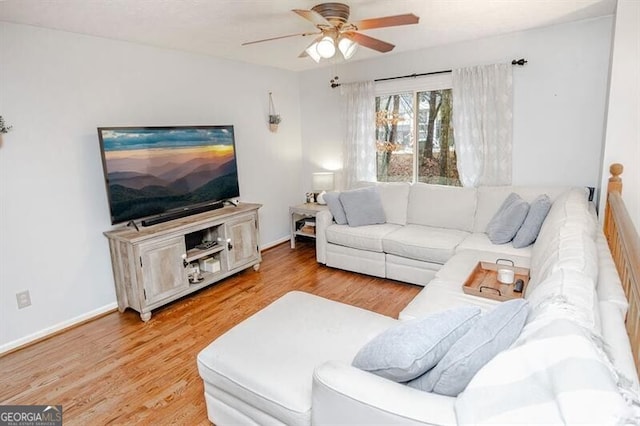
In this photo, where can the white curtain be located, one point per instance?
(359, 156)
(482, 122)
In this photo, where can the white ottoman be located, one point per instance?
(260, 371)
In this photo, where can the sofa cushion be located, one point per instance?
(569, 209)
(405, 351)
(570, 249)
(395, 198)
(616, 339)
(439, 295)
(494, 332)
(508, 219)
(553, 374)
(566, 294)
(335, 207)
(480, 241)
(491, 197)
(426, 206)
(356, 260)
(368, 237)
(363, 206)
(530, 228)
(423, 242)
(411, 271)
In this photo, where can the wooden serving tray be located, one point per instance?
(483, 282)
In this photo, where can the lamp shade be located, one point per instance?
(347, 46)
(322, 181)
(326, 47)
(312, 51)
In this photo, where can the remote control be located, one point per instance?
(519, 285)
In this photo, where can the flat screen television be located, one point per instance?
(160, 173)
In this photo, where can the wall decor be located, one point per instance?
(274, 117)
(3, 126)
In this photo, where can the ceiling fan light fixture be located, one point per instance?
(326, 47)
(348, 47)
(312, 51)
(334, 31)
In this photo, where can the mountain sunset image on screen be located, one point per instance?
(153, 170)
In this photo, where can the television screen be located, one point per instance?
(154, 170)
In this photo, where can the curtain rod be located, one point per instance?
(335, 84)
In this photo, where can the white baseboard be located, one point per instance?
(275, 243)
(56, 328)
(87, 316)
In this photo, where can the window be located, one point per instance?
(404, 116)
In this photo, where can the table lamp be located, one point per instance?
(321, 183)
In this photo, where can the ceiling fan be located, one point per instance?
(334, 29)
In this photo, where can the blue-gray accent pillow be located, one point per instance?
(530, 228)
(335, 207)
(494, 332)
(363, 206)
(407, 350)
(508, 219)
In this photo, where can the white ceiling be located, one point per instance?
(218, 27)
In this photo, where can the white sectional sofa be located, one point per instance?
(572, 362)
(426, 225)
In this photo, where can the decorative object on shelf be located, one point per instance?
(310, 197)
(321, 183)
(335, 33)
(193, 272)
(274, 118)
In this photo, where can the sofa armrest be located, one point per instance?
(343, 394)
(324, 218)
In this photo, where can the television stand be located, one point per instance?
(165, 217)
(159, 264)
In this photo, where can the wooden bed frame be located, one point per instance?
(624, 244)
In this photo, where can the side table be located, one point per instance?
(300, 212)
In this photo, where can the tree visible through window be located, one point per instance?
(425, 117)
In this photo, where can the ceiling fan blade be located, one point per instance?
(278, 38)
(313, 16)
(370, 42)
(387, 21)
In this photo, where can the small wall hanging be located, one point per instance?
(3, 126)
(274, 118)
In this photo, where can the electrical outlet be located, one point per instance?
(24, 299)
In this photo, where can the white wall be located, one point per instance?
(559, 98)
(55, 89)
(622, 141)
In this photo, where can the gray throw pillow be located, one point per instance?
(363, 206)
(494, 332)
(407, 350)
(508, 219)
(530, 228)
(335, 207)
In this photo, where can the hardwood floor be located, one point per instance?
(119, 370)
